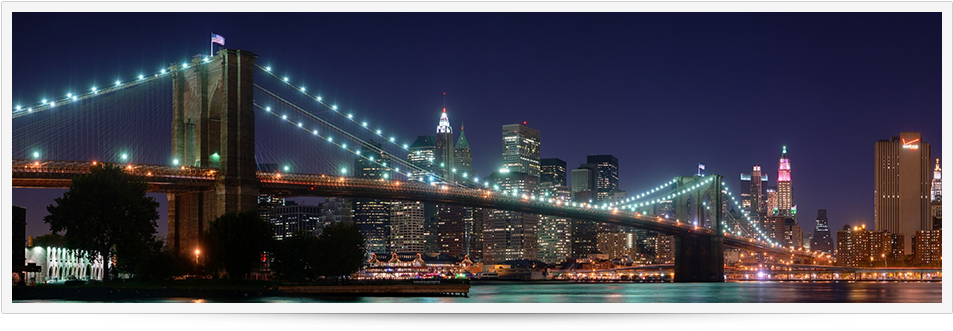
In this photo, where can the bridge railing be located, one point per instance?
(72, 168)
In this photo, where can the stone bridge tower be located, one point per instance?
(700, 258)
(213, 126)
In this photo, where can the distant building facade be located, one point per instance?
(902, 186)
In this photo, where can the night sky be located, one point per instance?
(662, 92)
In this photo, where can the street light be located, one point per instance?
(197, 252)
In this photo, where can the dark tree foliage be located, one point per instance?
(159, 264)
(340, 250)
(296, 258)
(235, 241)
(106, 211)
(50, 240)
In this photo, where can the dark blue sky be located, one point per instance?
(660, 91)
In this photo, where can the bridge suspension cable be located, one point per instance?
(347, 135)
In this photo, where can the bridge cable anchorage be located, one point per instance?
(300, 110)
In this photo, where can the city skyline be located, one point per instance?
(598, 122)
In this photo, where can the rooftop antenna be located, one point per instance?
(444, 102)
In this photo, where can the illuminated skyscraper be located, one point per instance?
(421, 154)
(407, 226)
(521, 149)
(902, 186)
(463, 159)
(509, 235)
(936, 194)
(821, 240)
(757, 199)
(785, 192)
(443, 153)
(607, 174)
(746, 191)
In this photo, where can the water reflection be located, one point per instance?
(732, 292)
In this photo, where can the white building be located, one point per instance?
(60, 264)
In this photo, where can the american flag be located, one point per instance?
(218, 39)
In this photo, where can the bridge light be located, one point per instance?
(267, 108)
(386, 176)
(36, 155)
(205, 59)
(29, 110)
(344, 146)
(350, 116)
(405, 146)
(335, 107)
(299, 124)
(124, 156)
(286, 79)
(267, 68)
(371, 158)
(44, 101)
(141, 77)
(52, 104)
(364, 124)
(284, 117)
(162, 71)
(286, 168)
(68, 95)
(118, 83)
(175, 161)
(391, 139)
(185, 65)
(318, 98)
(75, 98)
(315, 132)
(302, 89)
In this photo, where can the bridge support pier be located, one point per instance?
(213, 126)
(699, 259)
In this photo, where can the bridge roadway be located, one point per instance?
(167, 179)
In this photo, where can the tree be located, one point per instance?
(340, 250)
(50, 240)
(235, 242)
(106, 211)
(295, 258)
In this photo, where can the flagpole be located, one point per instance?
(211, 47)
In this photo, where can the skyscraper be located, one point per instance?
(443, 153)
(902, 186)
(756, 187)
(936, 194)
(407, 226)
(552, 174)
(372, 216)
(509, 235)
(821, 240)
(521, 149)
(422, 155)
(607, 174)
(746, 191)
(463, 159)
(785, 192)
(581, 179)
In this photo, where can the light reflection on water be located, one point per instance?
(732, 292)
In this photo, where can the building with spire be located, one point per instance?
(785, 191)
(463, 159)
(443, 152)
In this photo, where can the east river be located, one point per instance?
(553, 292)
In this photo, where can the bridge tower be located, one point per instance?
(700, 258)
(213, 125)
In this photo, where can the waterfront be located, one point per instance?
(729, 292)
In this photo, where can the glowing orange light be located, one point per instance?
(94, 162)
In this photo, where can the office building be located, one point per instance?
(552, 174)
(511, 235)
(859, 247)
(606, 174)
(407, 226)
(554, 239)
(902, 186)
(451, 230)
(928, 248)
(422, 154)
(746, 191)
(521, 149)
(821, 240)
(581, 179)
(463, 160)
